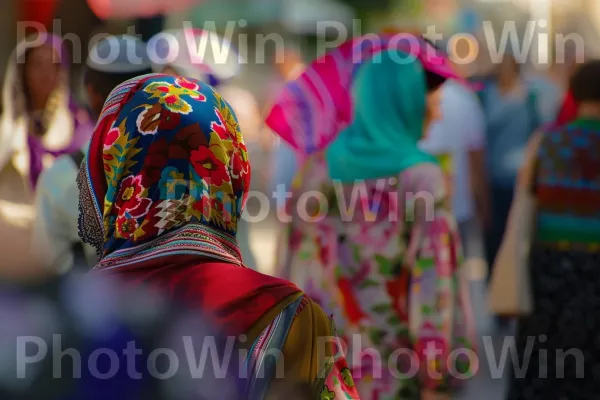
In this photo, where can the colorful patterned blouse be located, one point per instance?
(568, 186)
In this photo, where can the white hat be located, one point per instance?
(196, 53)
(119, 54)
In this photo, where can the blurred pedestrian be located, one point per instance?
(460, 133)
(40, 121)
(161, 199)
(562, 170)
(514, 110)
(387, 267)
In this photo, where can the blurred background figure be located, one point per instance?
(365, 265)
(56, 243)
(564, 256)
(40, 121)
(513, 109)
(460, 134)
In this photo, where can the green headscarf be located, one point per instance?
(389, 112)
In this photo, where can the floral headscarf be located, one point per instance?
(167, 172)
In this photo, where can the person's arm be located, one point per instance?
(50, 245)
(527, 170)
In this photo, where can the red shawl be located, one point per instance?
(236, 297)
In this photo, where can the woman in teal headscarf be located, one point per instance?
(384, 255)
(391, 109)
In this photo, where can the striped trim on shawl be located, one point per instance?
(186, 240)
(259, 367)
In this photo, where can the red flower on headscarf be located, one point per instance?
(171, 99)
(186, 84)
(111, 137)
(221, 129)
(126, 227)
(209, 167)
(129, 199)
(241, 172)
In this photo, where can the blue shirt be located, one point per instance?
(510, 120)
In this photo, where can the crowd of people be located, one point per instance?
(123, 221)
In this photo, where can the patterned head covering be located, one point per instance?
(167, 173)
(390, 111)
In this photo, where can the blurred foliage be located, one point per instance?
(367, 5)
(376, 14)
(364, 9)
